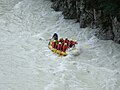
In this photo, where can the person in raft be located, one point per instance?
(55, 36)
(67, 41)
(72, 43)
(62, 42)
(59, 46)
(53, 44)
(54, 39)
(65, 47)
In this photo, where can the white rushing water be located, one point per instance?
(26, 63)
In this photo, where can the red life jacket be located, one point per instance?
(67, 41)
(71, 44)
(64, 48)
(74, 43)
(59, 47)
(53, 44)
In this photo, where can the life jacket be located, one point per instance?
(75, 42)
(53, 44)
(71, 44)
(64, 48)
(67, 41)
(59, 46)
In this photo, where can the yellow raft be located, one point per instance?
(56, 51)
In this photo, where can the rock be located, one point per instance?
(40, 39)
(107, 27)
(116, 30)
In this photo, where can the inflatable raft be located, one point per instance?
(59, 52)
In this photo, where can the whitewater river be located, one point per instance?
(26, 63)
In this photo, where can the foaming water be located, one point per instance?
(26, 63)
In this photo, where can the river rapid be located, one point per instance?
(26, 63)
